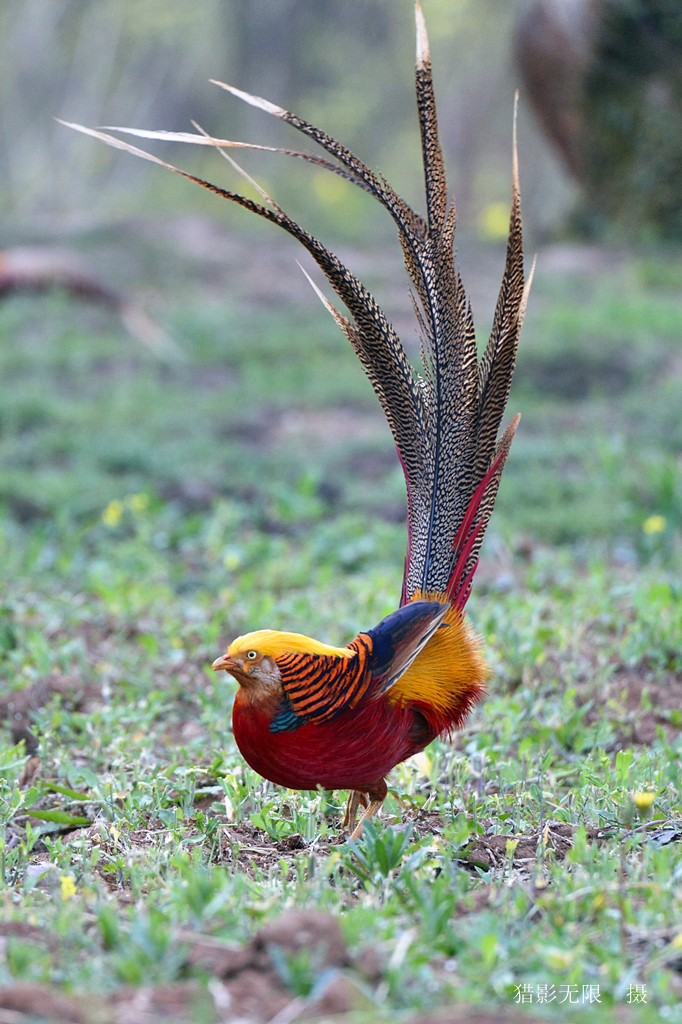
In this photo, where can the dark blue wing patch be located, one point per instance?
(398, 639)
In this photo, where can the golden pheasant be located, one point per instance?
(310, 715)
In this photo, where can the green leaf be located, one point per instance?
(60, 817)
(65, 791)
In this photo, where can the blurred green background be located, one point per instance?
(347, 67)
(238, 384)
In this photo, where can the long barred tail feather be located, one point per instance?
(445, 421)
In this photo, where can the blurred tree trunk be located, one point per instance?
(605, 78)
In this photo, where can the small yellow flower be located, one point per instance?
(112, 514)
(494, 221)
(68, 887)
(654, 524)
(329, 188)
(599, 901)
(177, 643)
(138, 502)
(559, 960)
(643, 800)
(422, 763)
(510, 848)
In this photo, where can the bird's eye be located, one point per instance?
(251, 655)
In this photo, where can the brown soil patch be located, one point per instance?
(524, 851)
(642, 705)
(18, 708)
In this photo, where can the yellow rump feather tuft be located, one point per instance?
(449, 668)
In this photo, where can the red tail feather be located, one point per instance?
(459, 586)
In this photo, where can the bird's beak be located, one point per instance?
(223, 663)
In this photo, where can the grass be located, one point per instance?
(152, 509)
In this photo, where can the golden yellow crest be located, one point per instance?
(273, 644)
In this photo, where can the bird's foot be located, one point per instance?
(372, 808)
(371, 800)
(356, 799)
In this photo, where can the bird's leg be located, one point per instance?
(372, 809)
(373, 801)
(355, 799)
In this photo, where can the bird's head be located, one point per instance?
(251, 660)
